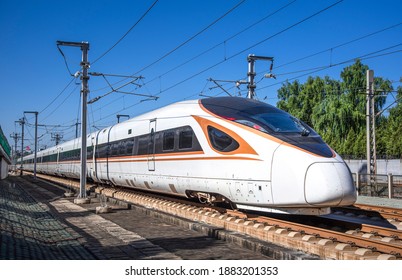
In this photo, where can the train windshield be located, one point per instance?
(282, 123)
(256, 114)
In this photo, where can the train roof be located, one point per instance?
(222, 106)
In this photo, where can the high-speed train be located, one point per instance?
(224, 149)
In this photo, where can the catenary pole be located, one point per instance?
(15, 136)
(370, 128)
(36, 138)
(22, 123)
(82, 197)
(251, 58)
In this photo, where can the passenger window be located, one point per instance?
(168, 141)
(115, 149)
(143, 145)
(122, 151)
(186, 139)
(221, 141)
(129, 146)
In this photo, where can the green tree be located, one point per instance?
(392, 129)
(336, 109)
(300, 100)
(289, 98)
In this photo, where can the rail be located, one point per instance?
(379, 185)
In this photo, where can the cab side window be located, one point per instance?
(221, 141)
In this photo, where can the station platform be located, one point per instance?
(38, 222)
(380, 201)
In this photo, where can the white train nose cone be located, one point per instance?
(329, 183)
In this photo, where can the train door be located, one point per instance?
(151, 145)
(58, 164)
(101, 155)
(91, 158)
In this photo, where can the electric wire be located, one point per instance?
(210, 49)
(243, 51)
(223, 42)
(288, 63)
(238, 53)
(131, 28)
(252, 46)
(65, 60)
(330, 49)
(314, 70)
(370, 55)
(340, 45)
(185, 42)
(192, 37)
(64, 89)
(65, 99)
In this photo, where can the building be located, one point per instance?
(5, 155)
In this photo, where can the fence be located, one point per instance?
(389, 186)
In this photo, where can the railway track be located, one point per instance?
(373, 211)
(345, 240)
(363, 236)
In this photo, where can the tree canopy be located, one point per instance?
(336, 109)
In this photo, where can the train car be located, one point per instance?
(224, 149)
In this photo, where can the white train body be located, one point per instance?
(216, 149)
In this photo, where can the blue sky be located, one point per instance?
(177, 46)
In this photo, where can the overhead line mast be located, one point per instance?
(251, 72)
(82, 196)
(22, 123)
(370, 129)
(15, 136)
(36, 138)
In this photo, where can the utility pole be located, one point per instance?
(36, 138)
(56, 137)
(76, 129)
(82, 196)
(251, 72)
(370, 129)
(15, 136)
(22, 123)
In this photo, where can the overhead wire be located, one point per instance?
(64, 89)
(225, 41)
(252, 46)
(370, 55)
(65, 99)
(97, 59)
(329, 49)
(238, 53)
(125, 34)
(192, 37)
(321, 68)
(279, 66)
(211, 48)
(65, 60)
(340, 45)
